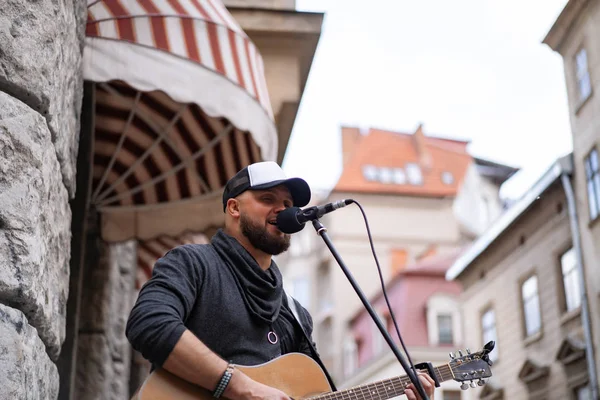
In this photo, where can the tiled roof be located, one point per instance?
(434, 264)
(399, 163)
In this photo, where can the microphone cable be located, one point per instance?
(387, 301)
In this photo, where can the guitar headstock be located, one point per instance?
(472, 367)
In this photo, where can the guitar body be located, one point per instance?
(295, 374)
(299, 376)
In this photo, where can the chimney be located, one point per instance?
(423, 154)
(350, 138)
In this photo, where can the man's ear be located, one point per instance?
(233, 207)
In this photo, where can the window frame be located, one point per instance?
(592, 177)
(575, 391)
(414, 174)
(495, 354)
(526, 334)
(439, 331)
(580, 75)
(575, 270)
(350, 356)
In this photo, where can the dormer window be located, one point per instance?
(385, 175)
(447, 178)
(413, 171)
(370, 172)
(399, 176)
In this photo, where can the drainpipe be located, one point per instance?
(585, 312)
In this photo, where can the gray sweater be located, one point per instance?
(191, 287)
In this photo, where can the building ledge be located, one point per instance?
(533, 338)
(254, 20)
(291, 34)
(570, 315)
(562, 26)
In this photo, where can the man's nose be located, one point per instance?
(279, 207)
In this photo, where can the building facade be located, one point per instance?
(522, 289)
(574, 36)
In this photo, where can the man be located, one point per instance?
(224, 301)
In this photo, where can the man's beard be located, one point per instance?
(261, 239)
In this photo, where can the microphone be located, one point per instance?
(292, 220)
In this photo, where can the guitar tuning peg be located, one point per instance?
(468, 351)
(464, 386)
(452, 356)
(472, 384)
(460, 354)
(481, 382)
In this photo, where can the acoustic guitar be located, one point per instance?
(300, 377)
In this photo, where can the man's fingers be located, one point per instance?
(428, 386)
(426, 380)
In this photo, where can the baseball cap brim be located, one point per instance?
(298, 187)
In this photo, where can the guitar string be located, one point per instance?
(391, 387)
(387, 386)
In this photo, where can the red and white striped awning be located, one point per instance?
(181, 104)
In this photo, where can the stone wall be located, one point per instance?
(104, 354)
(41, 82)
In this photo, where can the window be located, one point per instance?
(488, 330)
(324, 292)
(399, 176)
(350, 356)
(583, 393)
(414, 174)
(570, 274)
(531, 306)
(370, 172)
(445, 329)
(295, 246)
(584, 85)
(301, 243)
(592, 176)
(385, 175)
(301, 291)
(451, 395)
(447, 178)
(443, 319)
(324, 336)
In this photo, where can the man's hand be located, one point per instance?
(242, 387)
(428, 385)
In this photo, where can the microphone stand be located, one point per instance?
(322, 231)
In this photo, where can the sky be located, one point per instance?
(473, 70)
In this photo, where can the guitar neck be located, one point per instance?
(384, 389)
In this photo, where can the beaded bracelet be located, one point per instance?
(224, 381)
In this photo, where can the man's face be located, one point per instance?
(258, 214)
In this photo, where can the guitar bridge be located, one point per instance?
(429, 368)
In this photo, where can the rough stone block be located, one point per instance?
(35, 223)
(108, 294)
(27, 371)
(99, 376)
(40, 64)
(94, 368)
